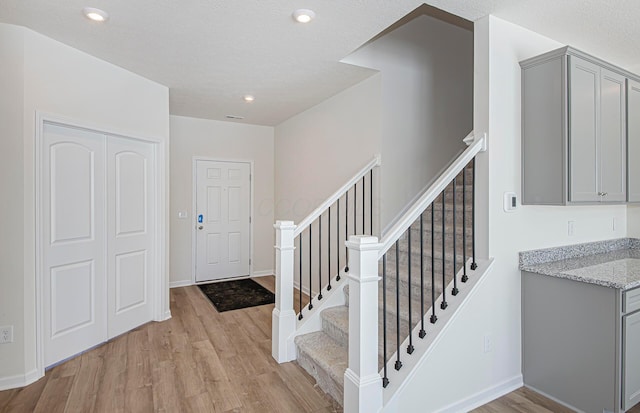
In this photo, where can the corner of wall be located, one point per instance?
(15, 280)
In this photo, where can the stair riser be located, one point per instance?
(322, 377)
(336, 331)
(426, 257)
(426, 221)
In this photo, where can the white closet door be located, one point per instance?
(130, 217)
(74, 290)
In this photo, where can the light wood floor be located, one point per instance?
(199, 361)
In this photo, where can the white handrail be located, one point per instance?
(336, 195)
(432, 193)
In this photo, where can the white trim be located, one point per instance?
(305, 290)
(180, 283)
(430, 195)
(165, 316)
(37, 147)
(160, 310)
(90, 126)
(263, 273)
(484, 396)
(335, 196)
(19, 380)
(194, 211)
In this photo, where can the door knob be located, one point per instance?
(200, 227)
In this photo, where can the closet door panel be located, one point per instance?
(73, 244)
(130, 234)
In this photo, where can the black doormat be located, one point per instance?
(236, 294)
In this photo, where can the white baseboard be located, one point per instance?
(485, 396)
(263, 273)
(19, 380)
(167, 315)
(181, 283)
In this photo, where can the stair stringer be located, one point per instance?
(399, 391)
(311, 320)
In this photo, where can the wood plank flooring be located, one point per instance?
(199, 361)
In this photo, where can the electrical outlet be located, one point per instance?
(571, 228)
(488, 343)
(6, 334)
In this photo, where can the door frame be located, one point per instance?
(160, 287)
(194, 191)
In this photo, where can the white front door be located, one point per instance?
(74, 298)
(131, 217)
(222, 219)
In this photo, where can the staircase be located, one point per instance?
(375, 308)
(324, 354)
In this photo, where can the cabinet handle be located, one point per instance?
(603, 193)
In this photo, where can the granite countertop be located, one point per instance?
(613, 263)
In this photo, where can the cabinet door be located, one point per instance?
(631, 360)
(612, 145)
(633, 122)
(584, 106)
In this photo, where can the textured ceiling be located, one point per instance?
(212, 52)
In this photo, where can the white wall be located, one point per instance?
(11, 195)
(221, 141)
(427, 101)
(318, 150)
(633, 221)
(496, 308)
(63, 81)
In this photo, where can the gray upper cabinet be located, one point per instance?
(613, 136)
(584, 106)
(633, 131)
(574, 130)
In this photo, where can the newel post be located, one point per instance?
(284, 316)
(362, 381)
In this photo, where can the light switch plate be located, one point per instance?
(510, 202)
(182, 214)
(6, 334)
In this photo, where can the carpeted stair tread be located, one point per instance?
(335, 323)
(325, 360)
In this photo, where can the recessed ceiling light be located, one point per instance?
(249, 98)
(303, 15)
(96, 15)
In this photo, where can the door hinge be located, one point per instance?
(249, 220)
(249, 261)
